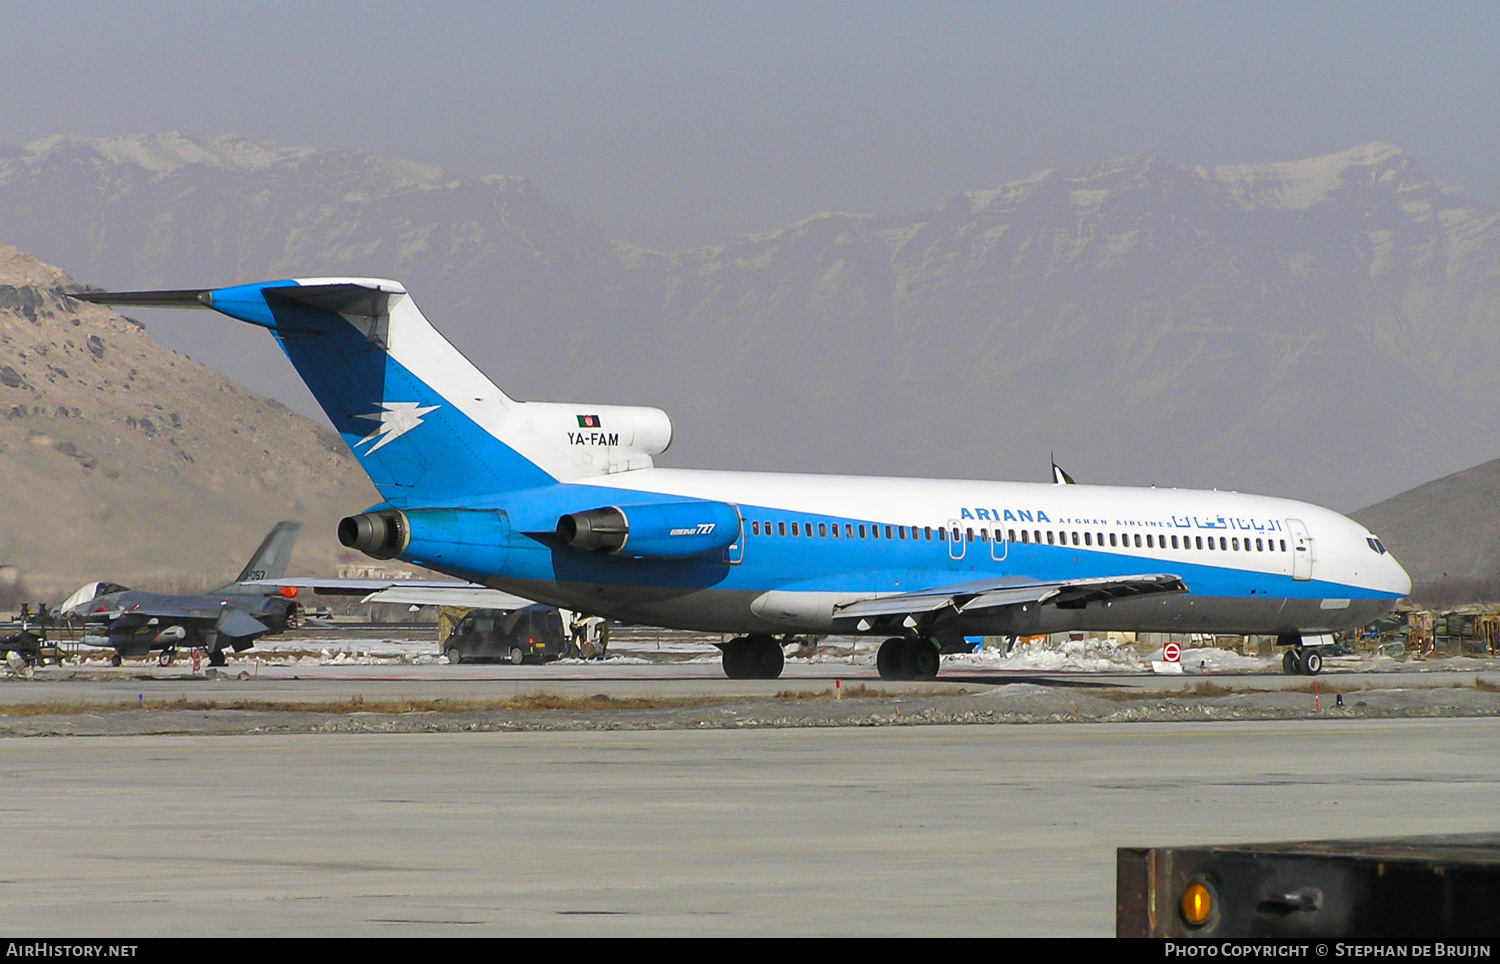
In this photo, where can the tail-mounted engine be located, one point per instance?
(673, 530)
(380, 535)
(473, 541)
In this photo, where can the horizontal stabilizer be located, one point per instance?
(367, 300)
(240, 624)
(181, 298)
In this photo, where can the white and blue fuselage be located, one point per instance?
(562, 503)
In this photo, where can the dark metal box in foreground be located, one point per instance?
(1404, 887)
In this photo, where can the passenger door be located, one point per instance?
(734, 554)
(1303, 554)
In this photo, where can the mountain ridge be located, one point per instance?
(1314, 328)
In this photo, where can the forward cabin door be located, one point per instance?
(1302, 550)
(734, 554)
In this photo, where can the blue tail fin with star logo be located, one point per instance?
(427, 426)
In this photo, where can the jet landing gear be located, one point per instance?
(1300, 660)
(753, 657)
(901, 658)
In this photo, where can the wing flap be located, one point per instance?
(970, 597)
(1080, 591)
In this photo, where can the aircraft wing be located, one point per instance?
(228, 621)
(409, 592)
(973, 596)
(164, 615)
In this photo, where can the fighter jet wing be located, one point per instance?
(128, 619)
(408, 592)
(973, 596)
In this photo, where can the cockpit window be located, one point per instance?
(89, 592)
(1376, 545)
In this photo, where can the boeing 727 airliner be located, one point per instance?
(562, 503)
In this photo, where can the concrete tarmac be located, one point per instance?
(251, 680)
(936, 830)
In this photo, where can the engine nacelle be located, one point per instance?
(668, 530)
(472, 541)
(380, 535)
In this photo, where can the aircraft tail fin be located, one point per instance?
(427, 426)
(270, 560)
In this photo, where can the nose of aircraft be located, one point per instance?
(1396, 578)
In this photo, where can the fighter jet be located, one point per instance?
(231, 617)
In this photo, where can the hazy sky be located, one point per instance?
(674, 124)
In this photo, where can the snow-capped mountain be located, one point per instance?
(1322, 328)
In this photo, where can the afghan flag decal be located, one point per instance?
(588, 421)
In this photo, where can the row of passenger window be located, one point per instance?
(827, 530)
(1150, 540)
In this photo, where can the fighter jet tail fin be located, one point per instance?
(270, 560)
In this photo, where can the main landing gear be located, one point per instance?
(1300, 660)
(902, 658)
(753, 657)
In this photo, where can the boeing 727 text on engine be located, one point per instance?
(562, 503)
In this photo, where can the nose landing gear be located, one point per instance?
(1300, 660)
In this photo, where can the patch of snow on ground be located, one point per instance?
(1072, 655)
(1212, 660)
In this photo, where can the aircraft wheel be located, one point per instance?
(1312, 662)
(767, 656)
(218, 657)
(116, 660)
(920, 660)
(736, 658)
(517, 656)
(1290, 665)
(166, 657)
(888, 658)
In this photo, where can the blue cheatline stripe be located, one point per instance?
(827, 564)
